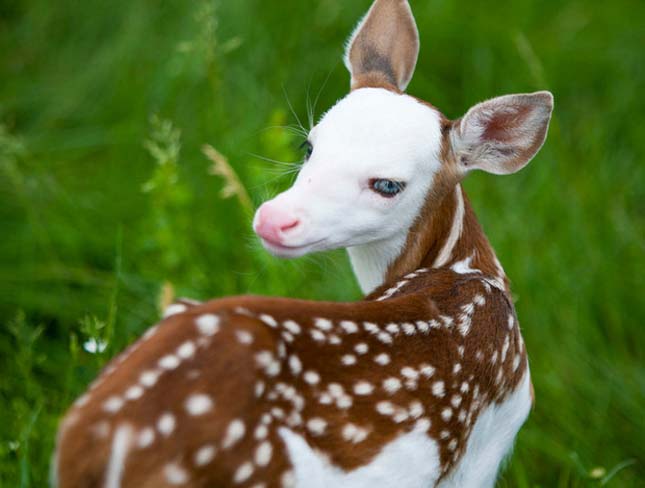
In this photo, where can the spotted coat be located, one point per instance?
(212, 390)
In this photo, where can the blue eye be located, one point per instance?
(386, 188)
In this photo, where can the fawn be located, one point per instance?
(423, 383)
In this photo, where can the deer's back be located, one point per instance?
(256, 390)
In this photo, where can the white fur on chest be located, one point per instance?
(412, 460)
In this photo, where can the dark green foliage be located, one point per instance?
(106, 198)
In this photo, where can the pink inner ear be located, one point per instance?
(503, 123)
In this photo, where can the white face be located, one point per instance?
(337, 200)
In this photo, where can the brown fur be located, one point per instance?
(458, 328)
(229, 373)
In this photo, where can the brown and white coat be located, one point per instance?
(423, 383)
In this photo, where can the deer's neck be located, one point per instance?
(371, 261)
(447, 234)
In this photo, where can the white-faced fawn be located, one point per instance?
(423, 383)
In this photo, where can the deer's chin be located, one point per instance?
(289, 252)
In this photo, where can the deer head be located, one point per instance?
(380, 160)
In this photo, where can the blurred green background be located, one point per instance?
(108, 204)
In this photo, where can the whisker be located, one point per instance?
(293, 129)
(311, 121)
(277, 162)
(309, 107)
(293, 112)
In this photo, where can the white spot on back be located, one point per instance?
(416, 409)
(134, 392)
(384, 337)
(361, 348)
(334, 339)
(336, 390)
(317, 335)
(353, 433)
(363, 388)
(148, 378)
(323, 324)
(295, 364)
(243, 473)
(234, 433)
(169, 362)
(423, 326)
(371, 327)
(113, 404)
(146, 438)
(349, 327)
(166, 424)
(392, 385)
(291, 326)
(348, 359)
(385, 408)
(426, 370)
(382, 359)
(175, 474)
(263, 453)
(446, 414)
(438, 389)
(208, 324)
(410, 373)
(408, 329)
(312, 377)
(316, 426)
(204, 455)
(392, 328)
(261, 432)
(198, 404)
(268, 320)
(174, 309)
(244, 337)
(455, 401)
(186, 350)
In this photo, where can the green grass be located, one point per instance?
(106, 198)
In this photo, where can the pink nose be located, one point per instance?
(272, 223)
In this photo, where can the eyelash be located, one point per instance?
(386, 188)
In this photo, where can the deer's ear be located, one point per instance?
(502, 135)
(384, 47)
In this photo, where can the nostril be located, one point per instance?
(274, 224)
(289, 226)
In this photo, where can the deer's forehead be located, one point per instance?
(380, 126)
